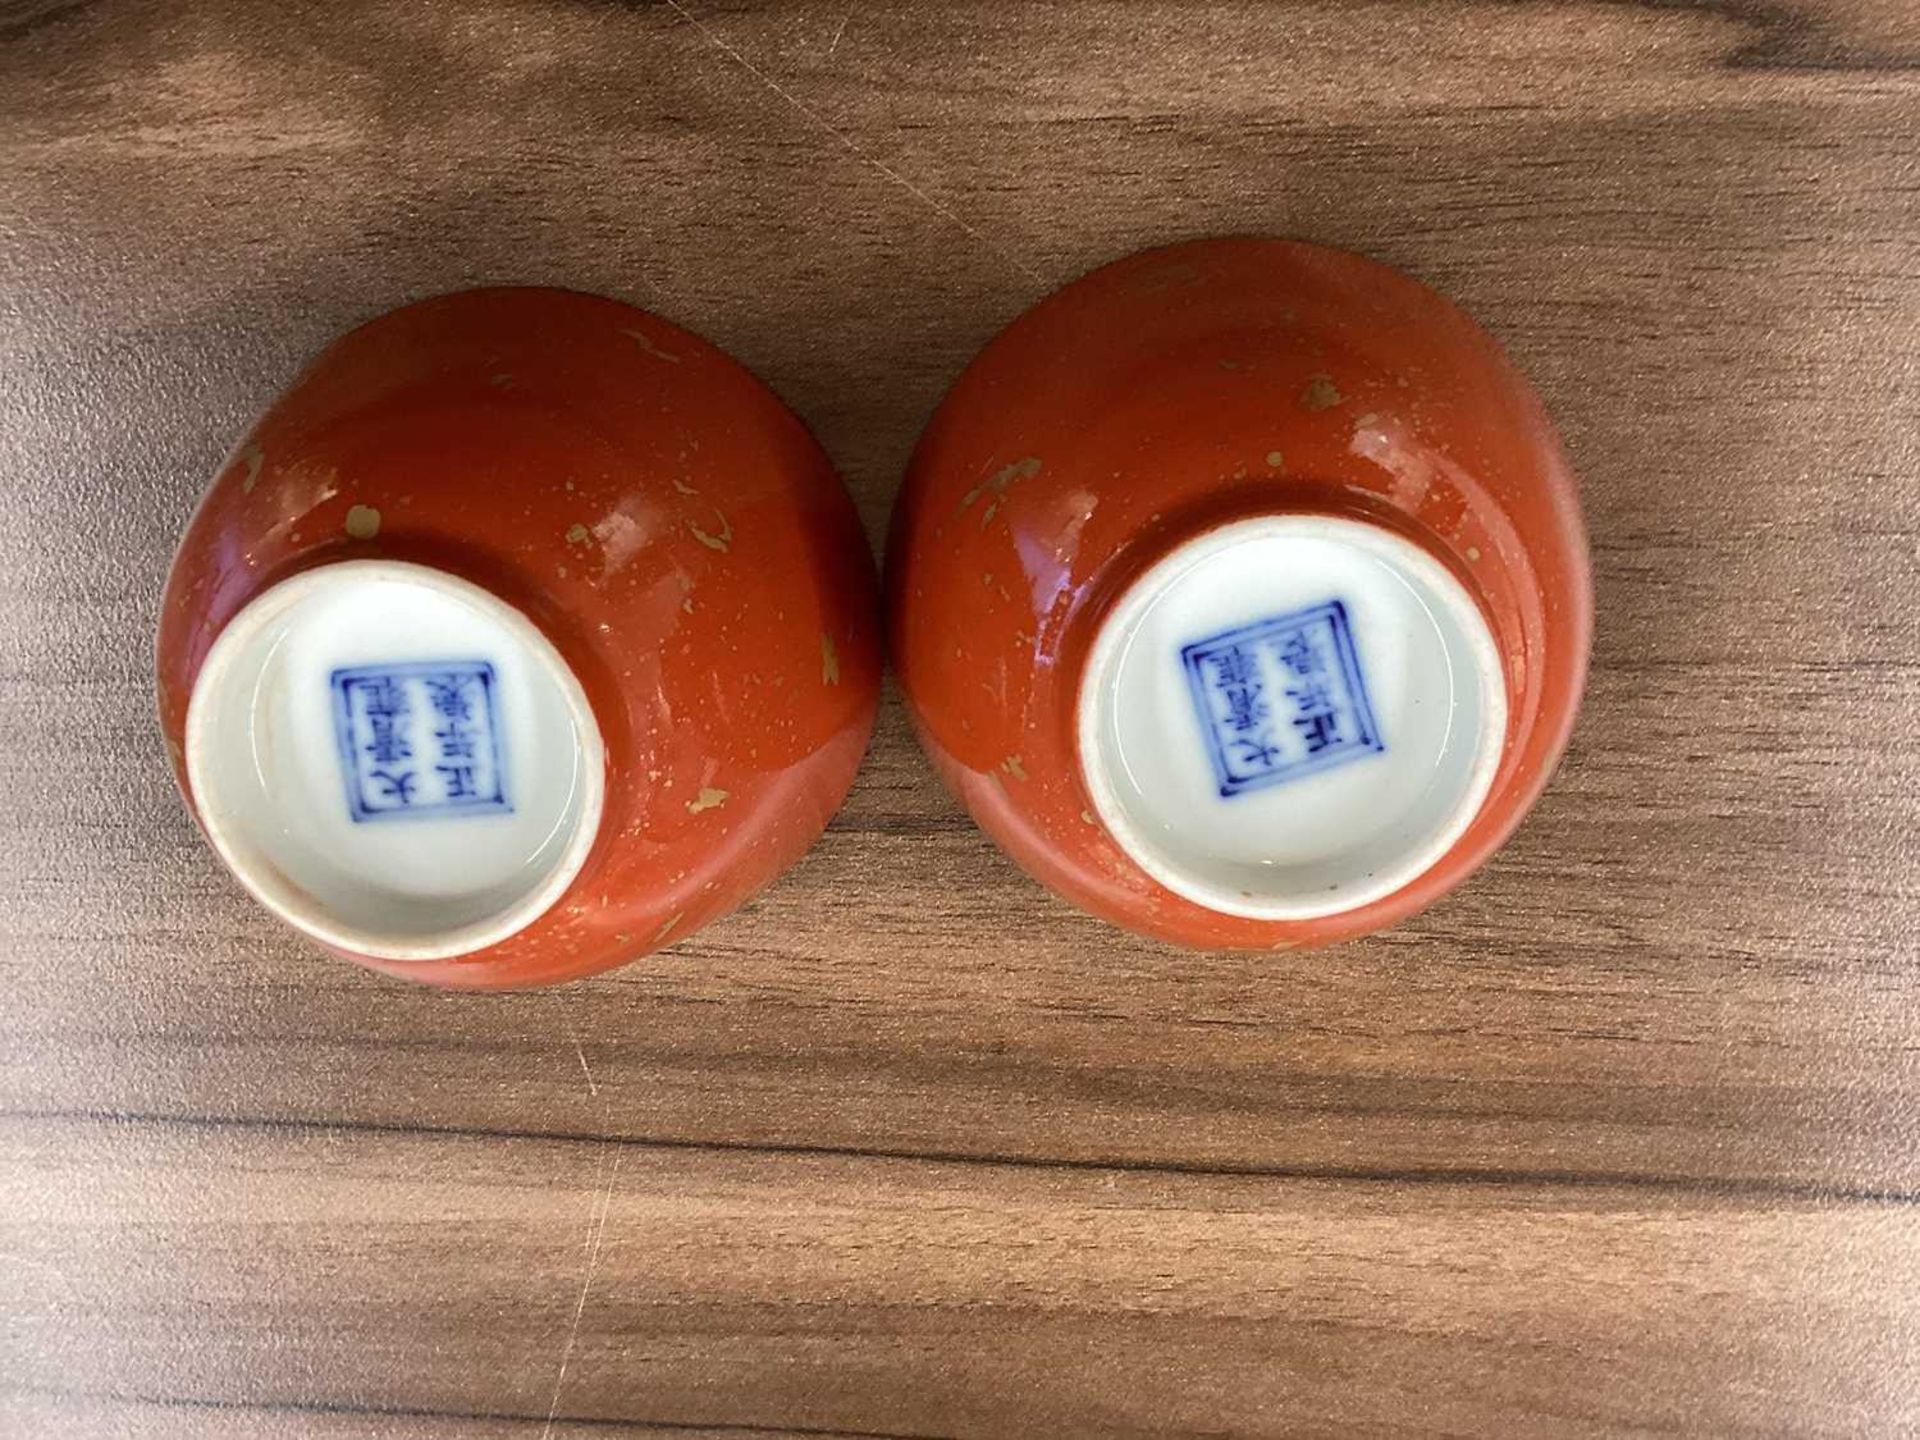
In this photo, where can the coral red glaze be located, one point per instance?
(1154, 401)
(661, 518)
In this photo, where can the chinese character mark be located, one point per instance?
(386, 708)
(1306, 661)
(1236, 674)
(388, 714)
(1316, 707)
(456, 739)
(396, 786)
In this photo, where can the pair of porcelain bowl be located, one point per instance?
(1238, 589)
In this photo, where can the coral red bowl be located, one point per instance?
(1240, 591)
(524, 635)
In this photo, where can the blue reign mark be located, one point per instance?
(1281, 698)
(419, 739)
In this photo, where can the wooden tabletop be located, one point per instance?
(1624, 1137)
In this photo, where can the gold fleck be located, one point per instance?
(1014, 767)
(502, 380)
(714, 542)
(577, 534)
(563, 571)
(1321, 393)
(621, 937)
(255, 458)
(652, 349)
(667, 928)
(684, 488)
(996, 484)
(569, 486)
(829, 660)
(687, 605)
(1473, 552)
(1087, 815)
(363, 522)
(710, 799)
(1230, 365)
(1276, 459)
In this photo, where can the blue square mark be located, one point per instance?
(1281, 698)
(420, 739)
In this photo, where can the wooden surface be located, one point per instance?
(1622, 1138)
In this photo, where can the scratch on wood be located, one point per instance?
(566, 1020)
(714, 38)
(596, 1232)
(585, 1069)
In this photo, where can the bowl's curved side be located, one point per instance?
(1178, 390)
(653, 508)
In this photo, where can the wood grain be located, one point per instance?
(1625, 1136)
(505, 1278)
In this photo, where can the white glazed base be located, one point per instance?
(1291, 716)
(394, 760)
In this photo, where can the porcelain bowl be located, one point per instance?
(524, 635)
(1240, 591)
